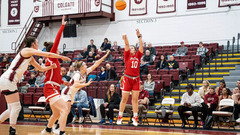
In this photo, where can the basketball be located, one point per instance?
(120, 5)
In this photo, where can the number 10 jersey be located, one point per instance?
(132, 63)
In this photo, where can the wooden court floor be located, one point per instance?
(75, 129)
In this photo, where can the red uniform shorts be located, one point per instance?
(50, 91)
(129, 84)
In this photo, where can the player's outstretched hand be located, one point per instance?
(89, 82)
(54, 65)
(64, 22)
(66, 83)
(124, 36)
(138, 32)
(64, 58)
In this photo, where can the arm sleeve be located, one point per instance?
(177, 52)
(197, 52)
(215, 101)
(57, 39)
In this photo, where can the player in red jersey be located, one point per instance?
(52, 81)
(131, 79)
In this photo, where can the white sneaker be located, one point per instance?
(56, 131)
(238, 120)
(74, 119)
(119, 120)
(81, 120)
(135, 121)
(44, 132)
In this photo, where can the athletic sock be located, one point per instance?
(48, 129)
(120, 114)
(62, 132)
(135, 114)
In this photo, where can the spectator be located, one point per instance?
(105, 45)
(204, 89)
(236, 98)
(109, 58)
(8, 58)
(111, 74)
(238, 83)
(4, 63)
(235, 90)
(115, 46)
(148, 58)
(39, 80)
(143, 100)
(211, 100)
(40, 61)
(226, 94)
(80, 101)
(143, 69)
(162, 63)
(90, 57)
(84, 53)
(31, 81)
(181, 51)
(201, 50)
(91, 46)
(172, 64)
(1, 57)
(191, 101)
(102, 75)
(152, 51)
(111, 101)
(71, 71)
(65, 77)
(219, 89)
(149, 84)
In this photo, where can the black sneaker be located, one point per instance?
(12, 131)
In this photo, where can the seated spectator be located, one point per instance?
(4, 63)
(143, 69)
(204, 89)
(219, 89)
(162, 63)
(40, 62)
(181, 51)
(71, 71)
(39, 80)
(1, 57)
(235, 90)
(238, 83)
(84, 53)
(102, 75)
(109, 58)
(115, 46)
(211, 101)
(152, 51)
(201, 50)
(80, 101)
(111, 74)
(105, 45)
(148, 58)
(172, 64)
(191, 101)
(149, 84)
(31, 81)
(90, 57)
(65, 77)
(91, 46)
(236, 98)
(8, 58)
(111, 101)
(143, 101)
(226, 94)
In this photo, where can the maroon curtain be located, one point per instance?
(13, 12)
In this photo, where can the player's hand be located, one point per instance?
(54, 66)
(66, 83)
(64, 58)
(138, 32)
(124, 36)
(63, 20)
(89, 82)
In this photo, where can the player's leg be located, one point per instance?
(135, 95)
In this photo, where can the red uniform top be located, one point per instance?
(132, 63)
(54, 74)
(211, 98)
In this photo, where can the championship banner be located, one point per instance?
(13, 12)
(194, 4)
(137, 7)
(225, 3)
(166, 6)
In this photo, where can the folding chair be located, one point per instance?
(224, 102)
(115, 111)
(166, 101)
(38, 108)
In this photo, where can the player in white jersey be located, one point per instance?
(78, 81)
(10, 78)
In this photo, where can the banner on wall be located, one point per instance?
(13, 12)
(195, 4)
(166, 6)
(137, 7)
(225, 3)
(60, 7)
